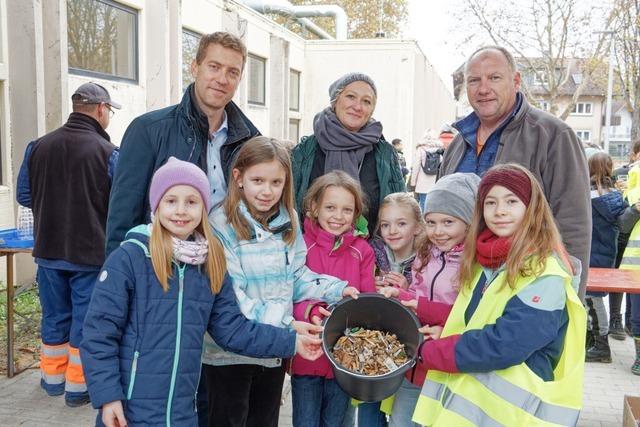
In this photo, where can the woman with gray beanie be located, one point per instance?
(347, 138)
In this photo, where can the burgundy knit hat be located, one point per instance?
(516, 181)
(178, 172)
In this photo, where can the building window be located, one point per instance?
(103, 39)
(615, 120)
(257, 76)
(294, 90)
(582, 109)
(190, 41)
(294, 130)
(584, 135)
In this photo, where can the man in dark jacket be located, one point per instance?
(206, 128)
(504, 128)
(66, 178)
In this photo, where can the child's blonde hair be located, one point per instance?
(260, 149)
(338, 179)
(161, 249)
(535, 239)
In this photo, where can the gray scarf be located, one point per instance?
(344, 149)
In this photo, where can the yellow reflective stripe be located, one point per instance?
(52, 378)
(527, 401)
(75, 387)
(432, 390)
(467, 409)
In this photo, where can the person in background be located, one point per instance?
(347, 138)
(397, 144)
(65, 178)
(504, 128)
(446, 135)
(426, 163)
(616, 328)
(515, 334)
(607, 205)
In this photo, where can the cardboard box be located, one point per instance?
(631, 411)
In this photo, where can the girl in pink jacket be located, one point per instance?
(335, 247)
(448, 213)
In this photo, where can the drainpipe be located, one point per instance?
(283, 7)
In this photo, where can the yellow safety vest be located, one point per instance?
(514, 396)
(631, 256)
(632, 193)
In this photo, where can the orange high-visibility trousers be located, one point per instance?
(53, 366)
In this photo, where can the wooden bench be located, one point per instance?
(613, 280)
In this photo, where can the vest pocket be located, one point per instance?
(132, 380)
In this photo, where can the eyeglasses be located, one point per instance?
(111, 112)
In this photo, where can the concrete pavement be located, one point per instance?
(25, 404)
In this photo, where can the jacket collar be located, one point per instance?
(87, 122)
(239, 126)
(326, 240)
(277, 225)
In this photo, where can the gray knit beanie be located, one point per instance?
(454, 195)
(337, 86)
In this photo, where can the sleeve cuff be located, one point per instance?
(440, 354)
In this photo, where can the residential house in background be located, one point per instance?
(620, 135)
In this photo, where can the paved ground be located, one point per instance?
(24, 404)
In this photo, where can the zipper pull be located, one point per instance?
(286, 256)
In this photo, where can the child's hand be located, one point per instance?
(389, 292)
(396, 279)
(431, 332)
(304, 328)
(350, 291)
(412, 304)
(637, 205)
(308, 347)
(113, 415)
(317, 320)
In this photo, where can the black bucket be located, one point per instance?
(372, 311)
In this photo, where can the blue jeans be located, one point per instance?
(317, 401)
(369, 415)
(422, 199)
(404, 405)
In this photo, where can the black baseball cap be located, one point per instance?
(93, 93)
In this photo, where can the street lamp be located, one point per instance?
(607, 119)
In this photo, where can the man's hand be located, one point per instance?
(308, 347)
(431, 332)
(350, 291)
(304, 328)
(389, 292)
(113, 414)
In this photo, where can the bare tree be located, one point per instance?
(626, 24)
(552, 40)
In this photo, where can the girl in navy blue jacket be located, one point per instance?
(156, 296)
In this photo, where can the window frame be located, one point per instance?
(136, 49)
(264, 79)
(575, 112)
(293, 71)
(296, 122)
(581, 133)
(193, 34)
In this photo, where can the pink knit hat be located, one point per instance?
(178, 172)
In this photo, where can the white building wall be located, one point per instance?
(36, 87)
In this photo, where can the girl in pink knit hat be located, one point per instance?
(155, 298)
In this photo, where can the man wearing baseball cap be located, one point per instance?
(66, 179)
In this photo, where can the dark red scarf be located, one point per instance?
(491, 250)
